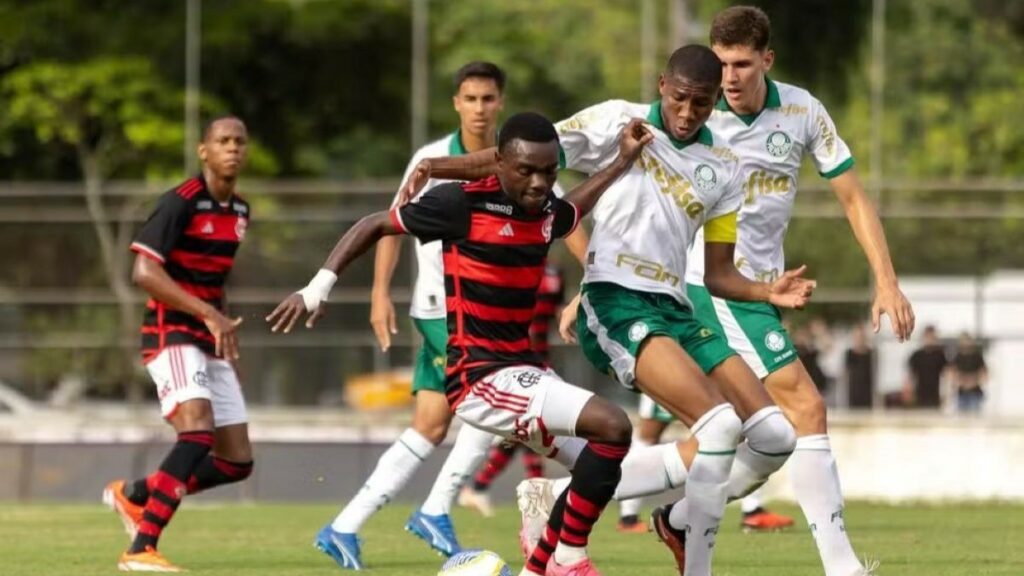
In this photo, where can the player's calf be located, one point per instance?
(594, 478)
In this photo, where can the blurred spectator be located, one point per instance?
(969, 374)
(809, 349)
(860, 370)
(926, 364)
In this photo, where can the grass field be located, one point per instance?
(255, 540)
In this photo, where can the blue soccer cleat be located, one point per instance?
(342, 547)
(437, 531)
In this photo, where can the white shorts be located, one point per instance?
(182, 373)
(526, 404)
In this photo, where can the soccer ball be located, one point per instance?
(475, 563)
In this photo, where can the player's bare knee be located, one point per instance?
(810, 414)
(193, 415)
(603, 421)
(433, 429)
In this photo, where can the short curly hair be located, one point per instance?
(741, 26)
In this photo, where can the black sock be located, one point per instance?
(137, 492)
(168, 486)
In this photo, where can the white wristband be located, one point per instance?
(318, 288)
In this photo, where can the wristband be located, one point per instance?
(318, 289)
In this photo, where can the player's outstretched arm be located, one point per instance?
(867, 228)
(472, 166)
(723, 280)
(632, 141)
(310, 299)
(151, 276)
(382, 310)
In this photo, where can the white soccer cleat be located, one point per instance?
(870, 567)
(535, 498)
(479, 501)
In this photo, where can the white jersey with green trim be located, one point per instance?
(771, 147)
(647, 219)
(428, 297)
(428, 293)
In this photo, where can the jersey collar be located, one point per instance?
(771, 100)
(455, 147)
(703, 134)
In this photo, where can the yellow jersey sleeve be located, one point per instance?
(721, 229)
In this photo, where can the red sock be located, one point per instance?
(496, 463)
(167, 486)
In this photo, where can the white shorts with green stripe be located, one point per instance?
(753, 329)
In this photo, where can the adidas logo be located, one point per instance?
(507, 231)
(208, 228)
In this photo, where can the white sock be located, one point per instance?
(567, 450)
(751, 502)
(559, 485)
(393, 470)
(770, 439)
(816, 483)
(651, 470)
(566, 555)
(700, 513)
(631, 506)
(470, 449)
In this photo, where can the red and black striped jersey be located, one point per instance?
(195, 238)
(494, 258)
(550, 296)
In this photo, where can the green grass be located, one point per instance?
(253, 540)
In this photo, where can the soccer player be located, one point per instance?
(479, 100)
(495, 236)
(550, 296)
(184, 253)
(771, 126)
(637, 322)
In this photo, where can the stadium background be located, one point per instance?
(100, 102)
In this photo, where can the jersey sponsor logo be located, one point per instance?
(638, 331)
(778, 144)
(507, 231)
(545, 228)
(792, 110)
(500, 208)
(678, 187)
(704, 177)
(240, 228)
(764, 183)
(774, 341)
(828, 136)
(725, 153)
(646, 269)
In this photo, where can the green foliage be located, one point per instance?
(115, 109)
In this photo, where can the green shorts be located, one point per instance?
(753, 329)
(432, 356)
(614, 321)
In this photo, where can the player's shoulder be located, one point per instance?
(436, 149)
(607, 113)
(794, 99)
(184, 194)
